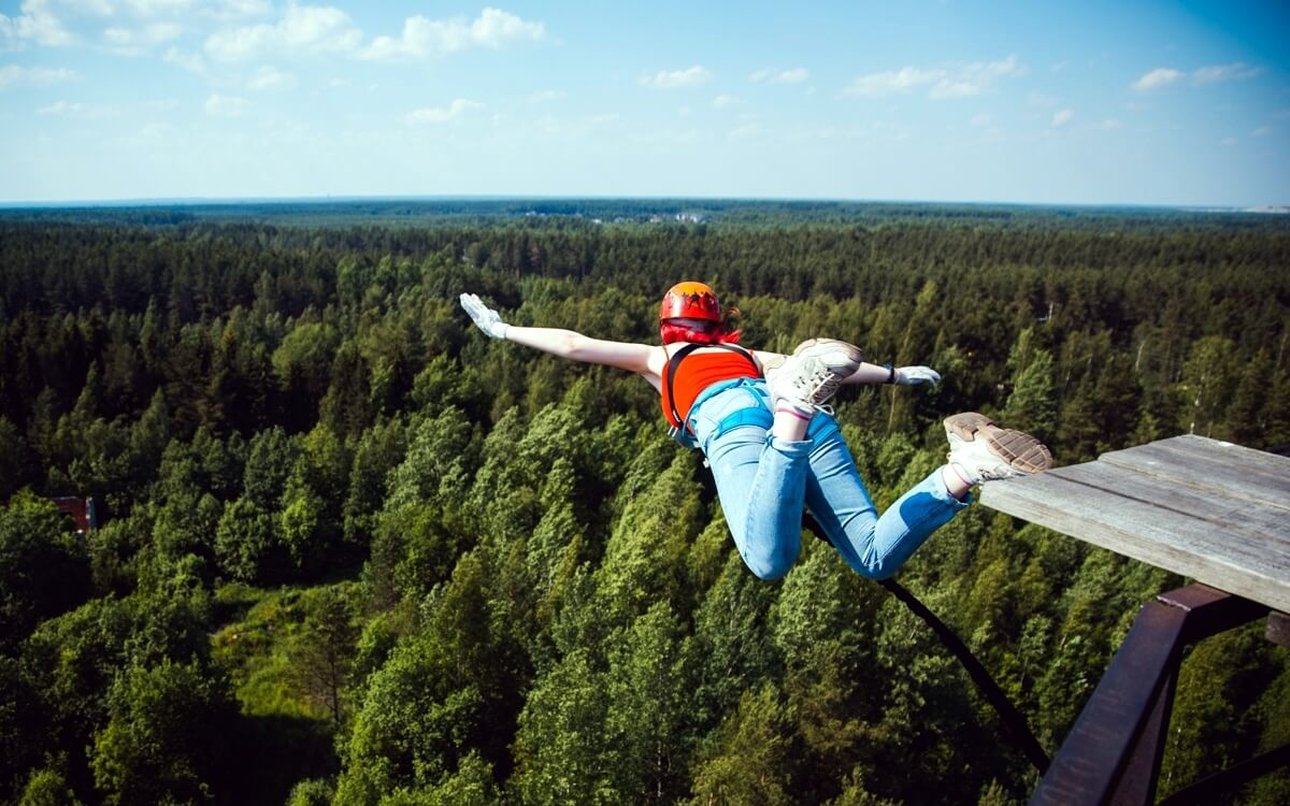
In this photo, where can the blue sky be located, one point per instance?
(1093, 102)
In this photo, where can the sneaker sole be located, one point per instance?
(1020, 450)
(965, 424)
(833, 353)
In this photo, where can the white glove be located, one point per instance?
(911, 376)
(484, 317)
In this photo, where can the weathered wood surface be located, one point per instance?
(1213, 511)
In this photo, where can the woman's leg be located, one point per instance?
(874, 546)
(760, 478)
(760, 481)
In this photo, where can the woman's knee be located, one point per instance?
(769, 566)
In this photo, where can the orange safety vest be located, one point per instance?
(680, 389)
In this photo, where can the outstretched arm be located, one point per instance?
(901, 376)
(633, 357)
(576, 347)
(865, 373)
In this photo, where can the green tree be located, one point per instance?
(561, 740)
(47, 787)
(269, 463)
(380, 449)
(442, 694)
(1032, 404)
(347, 408)
(650, 719)
(247, 544)
(20, 723)
(750, 759)
(16, 466)
(44, 568)
(645, 557)
(733, 640)
(163, 736)
(324, 651)
(1207, 383)
(303, 364)
(823, 624)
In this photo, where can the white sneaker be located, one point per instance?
(812, 375)
(983, 451)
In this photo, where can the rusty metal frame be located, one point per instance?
(1113, 752)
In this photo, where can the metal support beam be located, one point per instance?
(1113, 752)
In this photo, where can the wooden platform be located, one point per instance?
(1212, 511)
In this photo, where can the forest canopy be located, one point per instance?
(349, 550)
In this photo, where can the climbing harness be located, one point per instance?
(678, 429)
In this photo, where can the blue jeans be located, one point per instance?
(764, 483)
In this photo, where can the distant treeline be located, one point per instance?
(725, 212)
(353, 551)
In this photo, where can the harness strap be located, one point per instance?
(1013, 721)
(674, 363)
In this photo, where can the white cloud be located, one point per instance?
(982, 120)
(270, 78)
(225, 106)
(14, 75)
(1159, 77)
(37, 23)
(677, 79)
(423, 37)
(961, 81)
(1216, 73)
(1262, 131)
(975, 79)
(876, 85)
(76, 110)
(725, 102)
(125, 26)
(302, 29)
(227, 11)
(954, 88)
(495, 28)
(1061, 117)
(137, 40)
(8, 34)
(442, 114)
(1201, 76)
(146, 8)
(796, 75)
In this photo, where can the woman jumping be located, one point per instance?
(774, 448)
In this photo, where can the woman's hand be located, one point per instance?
(484, 317)
(911, 376)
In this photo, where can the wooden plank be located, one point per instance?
(1246, 472)
(1213, 467)
(1206, 447)
(1146, 532)
(1109, 519)
(1231, 519)
(1244, 574)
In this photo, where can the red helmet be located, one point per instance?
(690, 300)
